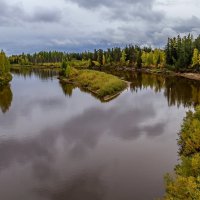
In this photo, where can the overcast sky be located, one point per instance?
(75, 25)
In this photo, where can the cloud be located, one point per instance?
(10, 14)
(84, 25)
(109, 3)
(42, 14)
(123, 10)
(187, 25)
(15, 15)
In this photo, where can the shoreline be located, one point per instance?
(34, 67)
(191, 76)
(164, 71)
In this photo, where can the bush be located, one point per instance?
(186, 183)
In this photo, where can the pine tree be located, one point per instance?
(95, 55)
(197, 43)
(100, 56)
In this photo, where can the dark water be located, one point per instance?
(60, 143)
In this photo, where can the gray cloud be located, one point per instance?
(46, 15)
(15, 15)
(110, 3)
(133, 12)
(10, 14)
(124, 10)
(187, 25)
(84, 25)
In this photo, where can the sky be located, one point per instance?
(78, 25)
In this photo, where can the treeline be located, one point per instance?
(5, 76)
(186, 184)
(128, 55)
(38, 58)
(180, 53)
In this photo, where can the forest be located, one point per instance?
(179, 54)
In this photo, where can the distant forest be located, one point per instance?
(179, 53)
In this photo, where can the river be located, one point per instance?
(61, 143)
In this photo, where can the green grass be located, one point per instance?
(82, 64)
(79, 63)
(99, 83)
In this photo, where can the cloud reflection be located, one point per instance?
(82, 133)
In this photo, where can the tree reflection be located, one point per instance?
(6, 97)
(43, 74)
(67, 88)
(178, 90)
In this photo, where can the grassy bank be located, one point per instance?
(104, 86)
(186, 183)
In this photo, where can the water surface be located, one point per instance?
(58, 142)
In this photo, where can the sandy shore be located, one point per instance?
(193, 76)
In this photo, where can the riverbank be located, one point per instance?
(102, 85)
(162, 71)
(39, 66)
(188, 75)
(193, 76)
(186, 183)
